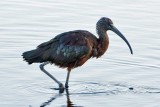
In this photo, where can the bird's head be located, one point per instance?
(104, 24)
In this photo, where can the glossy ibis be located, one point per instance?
(72, 49)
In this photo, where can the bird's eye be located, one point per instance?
(110, 21)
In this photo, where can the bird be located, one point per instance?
(73, 48)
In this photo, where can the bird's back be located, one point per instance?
(69, 49)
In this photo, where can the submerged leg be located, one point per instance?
(61, 87)
(67, 79)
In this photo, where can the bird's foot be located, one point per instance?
(66, 86)
(61, 88)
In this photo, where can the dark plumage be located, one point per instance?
(65, 50)
(72, 49)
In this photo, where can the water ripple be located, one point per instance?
(93, 88)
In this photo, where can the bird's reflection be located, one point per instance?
(50, 100)
(69, 102)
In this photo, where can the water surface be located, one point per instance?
(102, 82)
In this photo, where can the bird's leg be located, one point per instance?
(61, 87)
(67, 79)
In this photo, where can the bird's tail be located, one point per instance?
(33, 56)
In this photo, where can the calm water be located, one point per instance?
(105, 82)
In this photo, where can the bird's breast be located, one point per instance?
(102, 46)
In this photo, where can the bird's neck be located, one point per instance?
(103, 42)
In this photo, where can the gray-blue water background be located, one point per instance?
(102, 82)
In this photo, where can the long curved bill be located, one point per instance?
(115, 30)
